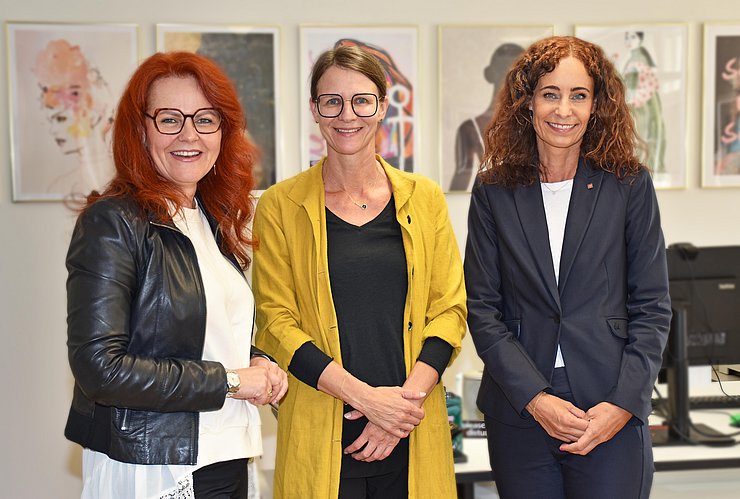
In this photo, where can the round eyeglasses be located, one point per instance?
(332, 105)
(170, 121)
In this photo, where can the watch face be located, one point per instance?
(232, 380)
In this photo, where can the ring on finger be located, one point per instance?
(269, 392)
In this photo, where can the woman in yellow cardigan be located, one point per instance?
(360, 296)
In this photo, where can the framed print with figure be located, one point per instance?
(396, 49)
(473, 61)
(249, 56)
(653, 62)
(64, 83)
(721, 106)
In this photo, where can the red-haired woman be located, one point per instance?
(160, 315)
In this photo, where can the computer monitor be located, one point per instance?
(706, 281)
(705, 329)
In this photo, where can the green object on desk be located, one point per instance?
(735, 420)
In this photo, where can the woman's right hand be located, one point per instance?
(388, 407)
(373, 444)
(560, 419)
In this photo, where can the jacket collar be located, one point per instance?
(531, 209)
(310, 183)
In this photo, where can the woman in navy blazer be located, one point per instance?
(567, 283)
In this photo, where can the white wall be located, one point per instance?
(35, 459)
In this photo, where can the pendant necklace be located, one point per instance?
(362, 206)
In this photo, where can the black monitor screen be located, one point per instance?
(706, 281)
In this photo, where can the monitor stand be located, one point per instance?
(679, 430)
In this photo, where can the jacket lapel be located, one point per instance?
(531, 210)
(586, 187)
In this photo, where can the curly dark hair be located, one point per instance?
(610, 140)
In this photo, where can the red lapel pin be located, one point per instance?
(590, 186)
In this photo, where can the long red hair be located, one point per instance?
(225, 191)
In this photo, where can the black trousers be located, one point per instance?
(223, 480)
(527, 462)
(394, 485)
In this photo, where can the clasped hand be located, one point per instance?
(263, 382)
(389, 408)
(581, 430)
(388, 423)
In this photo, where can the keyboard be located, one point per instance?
(714, 402)
(708, 402)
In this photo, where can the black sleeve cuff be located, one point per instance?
(308, 363)
(256, 352)
(436, 352)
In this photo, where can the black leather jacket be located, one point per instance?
(136, 317)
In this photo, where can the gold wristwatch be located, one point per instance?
(232, 383)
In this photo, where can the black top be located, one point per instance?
(367, 271)
(368, 277)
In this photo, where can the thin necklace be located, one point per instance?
(565, 184)
(362, 206)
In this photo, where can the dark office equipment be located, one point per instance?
(706, 402)
(705, 329)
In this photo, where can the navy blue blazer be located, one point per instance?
(610, 311)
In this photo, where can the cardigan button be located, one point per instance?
(410, 325)
(408, 217)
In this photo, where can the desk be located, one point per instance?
(667, 458)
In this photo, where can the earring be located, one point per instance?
(214, 168)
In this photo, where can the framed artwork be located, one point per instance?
(250, 57)
(473, 61)
(721, 106)
(64, 84)
(396, 47)
(653, 62)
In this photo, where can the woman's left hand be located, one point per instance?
(378, 444)
(604, 421)
(278, 379)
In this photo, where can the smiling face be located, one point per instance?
(348, 134)
(561, 107)
(186, 157)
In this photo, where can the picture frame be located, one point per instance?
(473, 61)
(398, 139)
(653, 61)
(721, 106)
(64, 83)
(249, 55)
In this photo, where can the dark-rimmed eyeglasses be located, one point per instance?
(331, 105)
(170, 121)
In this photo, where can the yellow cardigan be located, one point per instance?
(294, 305)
